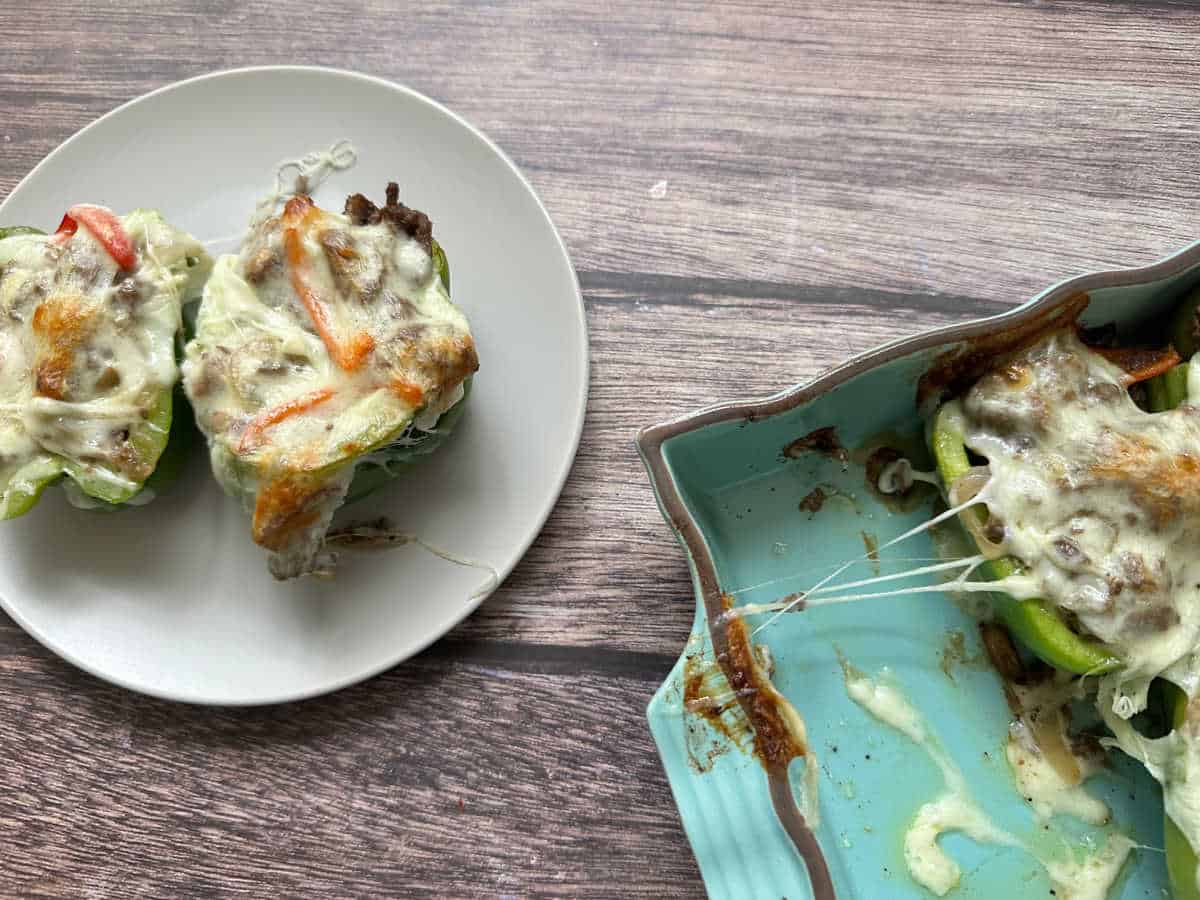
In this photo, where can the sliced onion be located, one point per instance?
(1048, 732)
(1042, 717)
(978, 527)
(966, 487)
(896, 477)
(969, 484)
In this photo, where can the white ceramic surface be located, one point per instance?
(174, 599)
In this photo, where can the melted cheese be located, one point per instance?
(1092, 877)
(1043, 785)
(1173, 761)
(1048, 767)
(1101, 501)
(954, 809)
(322, 341)
(87, 351)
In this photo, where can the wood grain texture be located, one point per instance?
(751, 192)
(441, 773)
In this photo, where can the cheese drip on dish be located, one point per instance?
(1049, 767)
(87, 351)
(1100, 501)
(1089, 877)
(321, 342)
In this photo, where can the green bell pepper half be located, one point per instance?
(1183, 326)
(1033, 622)
(164, 438)
(1167, 391)
(1181, 858)
(14, 230)
(1041, 629)
(21, 488)
(440, 263)
(386, 463)
(149, 440)
(181, 440)
(393, 460)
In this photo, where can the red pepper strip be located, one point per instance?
(348, 357)
(105, 227)
(66, 228)
(252, 437)
(1140, 363)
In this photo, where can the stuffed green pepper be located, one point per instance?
(328, 356)
(1082, 493)
(90, 321)
(1170, 390)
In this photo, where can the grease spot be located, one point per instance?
(820, 440)
(813, 501)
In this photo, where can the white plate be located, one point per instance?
(174, 599)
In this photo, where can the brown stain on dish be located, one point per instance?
(734, 695)
(879, 459)
(795, 602)
(707, 759)
(813, 501)
(884, 448)
(707, 696)
(954, 652)
(820, 440)
(776, 741)
(871, 544)
(778, 732)
(703, 684)
(953, 371)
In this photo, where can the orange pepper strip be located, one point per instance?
(408, 392)
(299, 210)
(1140, 364)
(350, 356)
(252, 437)
(347, 357)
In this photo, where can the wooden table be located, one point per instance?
(751, 193)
